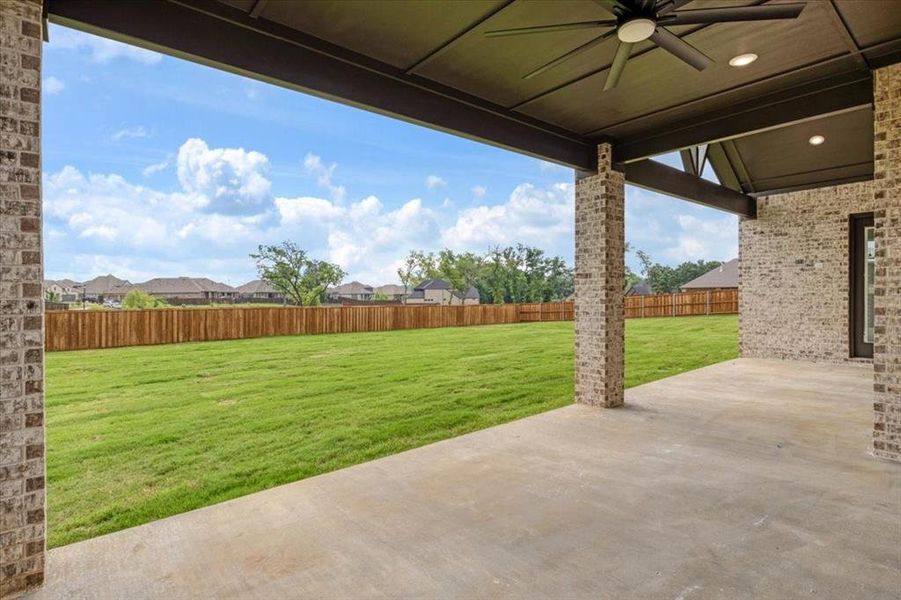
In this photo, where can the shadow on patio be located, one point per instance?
(749, 478)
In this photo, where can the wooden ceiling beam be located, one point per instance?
(661, 178)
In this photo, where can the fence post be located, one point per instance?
(708, 302)
(673, 298)
(641, 312)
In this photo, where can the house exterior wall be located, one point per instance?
(22, 522)
(600, 283)
(794, 273)
(887, 193)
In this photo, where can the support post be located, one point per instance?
(599, 283)
(887, 310)
(22, 522)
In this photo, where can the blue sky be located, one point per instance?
(154, 166)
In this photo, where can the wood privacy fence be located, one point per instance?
(84, 330)
(720, 302)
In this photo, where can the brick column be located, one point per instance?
(600, 277)
(21, 306)
(887, 192)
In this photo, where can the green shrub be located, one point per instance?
(139, 299)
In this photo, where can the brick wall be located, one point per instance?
(887, 190)
(793, 301)
(21, 326)
(599, 282)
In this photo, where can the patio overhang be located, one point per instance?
(814, 73)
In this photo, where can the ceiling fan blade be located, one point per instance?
(619, 63)
(617, 7)
(550, 28)
(725, 15)
(667, 6)
(681, 49)
(572, 53)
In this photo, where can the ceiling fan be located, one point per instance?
(639, 20)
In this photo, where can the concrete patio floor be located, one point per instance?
(747, 479)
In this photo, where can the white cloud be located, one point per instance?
(674, 231)
(155, 168)
(138, 131)
(479, 191)
(99, 50)
(364, 238)
(313, 165)
(52, 85)
(305, 208)
(434, 182)
(108, 209)
(707, 239)
(542, 217)
(231, 180)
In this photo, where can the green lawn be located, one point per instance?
(136, 434)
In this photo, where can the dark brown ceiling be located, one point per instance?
(439, 48)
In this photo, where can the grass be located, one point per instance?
(136, 434)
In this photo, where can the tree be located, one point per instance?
(512, 274)
(137, 299)
(664, 279)
(409, 273)
(52, 296)
(302, 279)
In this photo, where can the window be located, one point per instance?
(869, 284)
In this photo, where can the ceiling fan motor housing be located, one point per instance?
(636, 30)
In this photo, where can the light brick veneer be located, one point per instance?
(793, 273)
(599, 281)
(21, 309)
(887, 189)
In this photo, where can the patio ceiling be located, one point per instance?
(430, 63)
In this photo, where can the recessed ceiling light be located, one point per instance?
(743, 60)
(816, 140)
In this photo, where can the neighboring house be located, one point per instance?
(350, 291)
(639, 288)
(188, 288)
(391, 291)
(105, 287)
(470, 297)
(62, 290)
(259, 289)
(724, 277)
(439, 291)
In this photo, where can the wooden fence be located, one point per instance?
(83, 330)
(722, 302)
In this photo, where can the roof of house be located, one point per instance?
(434, 284)
(354, 287)
(471, 294)
(104, 284)
(66, 285)
(724, 276)
(390, 289)
(183, 285)
(258, 286)
(639, 288)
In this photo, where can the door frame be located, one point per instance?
(857, 248)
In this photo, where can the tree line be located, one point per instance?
(508, 274)
(517, 273)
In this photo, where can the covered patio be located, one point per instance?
(746, 479)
